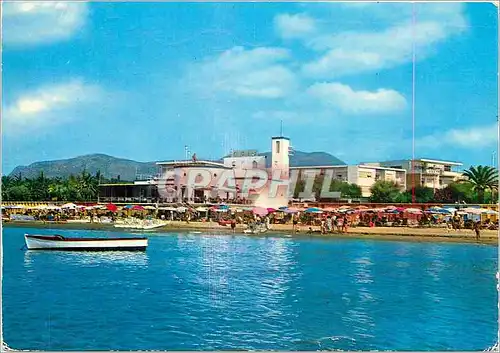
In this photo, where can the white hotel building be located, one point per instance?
(362, 175)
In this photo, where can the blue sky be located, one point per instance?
(141, 80)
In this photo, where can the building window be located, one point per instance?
(254, 164)
(215, 175)
(447, 168)
(234, 164)
(277, 147)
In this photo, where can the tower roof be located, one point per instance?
(280, 137)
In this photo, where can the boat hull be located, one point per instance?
(35, 242)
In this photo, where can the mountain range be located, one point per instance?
(126, 169)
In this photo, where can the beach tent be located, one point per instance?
(201, 209)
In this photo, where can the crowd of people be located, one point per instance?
(338, 220)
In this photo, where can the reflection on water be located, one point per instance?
(87, 259)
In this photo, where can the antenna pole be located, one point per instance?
(413, 196)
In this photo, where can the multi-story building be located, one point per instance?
(202, 180)
(362, 175)
(430, 173)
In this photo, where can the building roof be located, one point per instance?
(190, 163)
(380, 167)
(438, 161)
(319, 166)
(344, 166)
(280, 137)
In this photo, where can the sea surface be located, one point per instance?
(234, 292)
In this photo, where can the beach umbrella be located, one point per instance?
(138, 208)
(223, 207)
(167, 208)
(313, 210)
(413, 210)
(15, 207)
(112, 207)
(149, 207)
(471, 210)
(128, 207)
(260, 211)
(271, 210)
(69, 205)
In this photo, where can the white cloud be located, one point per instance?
(294, 26)
(357, 51)
(33, 23)
(471, 137)
(48, 105)
(259, 72)
(343, 98)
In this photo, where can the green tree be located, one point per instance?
(456, 192)
(19, 193)
(384, 191)
(482, 178)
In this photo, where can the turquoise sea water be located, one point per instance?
(224, 292)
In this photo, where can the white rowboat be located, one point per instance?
(58, 242)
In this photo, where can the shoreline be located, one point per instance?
(488, 237)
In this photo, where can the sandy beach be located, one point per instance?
(381, 233)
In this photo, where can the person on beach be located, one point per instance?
(233, 225)
(335, 223)
(328, 224)
(477, 229)
(344, 224)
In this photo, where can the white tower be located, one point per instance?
(280, 155)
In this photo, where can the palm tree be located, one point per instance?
(482, 178)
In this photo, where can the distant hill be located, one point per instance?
(111, 167)
(306, 159)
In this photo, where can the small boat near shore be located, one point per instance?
(58, 242)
